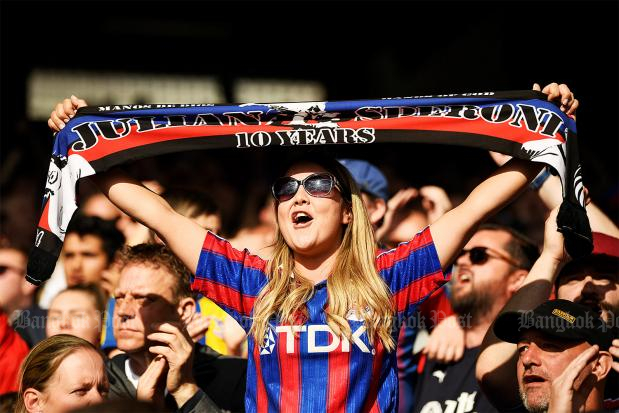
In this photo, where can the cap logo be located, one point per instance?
(566, 316)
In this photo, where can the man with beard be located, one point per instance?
(592, 281)
(490, 269)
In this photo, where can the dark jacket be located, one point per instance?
(221, 378)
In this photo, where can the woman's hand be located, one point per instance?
(562, 93)
(64, 111)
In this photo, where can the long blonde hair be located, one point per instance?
(354, 283)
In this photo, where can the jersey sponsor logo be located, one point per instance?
(286, 334)
(464, 404)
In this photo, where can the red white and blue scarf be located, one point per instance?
(521, 123)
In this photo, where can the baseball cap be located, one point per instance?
(368, 177)
(558, 318)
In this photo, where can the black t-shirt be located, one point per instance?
(611, 393)
(451, 387)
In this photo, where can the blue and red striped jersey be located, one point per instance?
(306, 367)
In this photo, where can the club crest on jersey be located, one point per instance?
(268, 344)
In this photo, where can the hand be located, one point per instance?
(234, 336)
(614, 351)
(499, 158)
(64, 111)
(152, 382)
(553, 239)
(562, 92)
(177, 349)
(570, 390)
(446, 342)
(435, 202)
(197, 326)
(401, 198)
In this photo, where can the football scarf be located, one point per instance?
(522, 124)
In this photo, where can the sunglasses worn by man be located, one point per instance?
(480, 255)
(317, 185)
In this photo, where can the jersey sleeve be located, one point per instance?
(229, 277)
(412, 272)
(436, 308)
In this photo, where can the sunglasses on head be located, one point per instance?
(480, 255)
(318, 185)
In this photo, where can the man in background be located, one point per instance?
(490, 269)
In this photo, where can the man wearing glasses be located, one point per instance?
(490, 269)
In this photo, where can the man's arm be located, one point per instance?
(496, 363)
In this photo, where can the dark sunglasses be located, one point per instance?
(480, 255)
(318, 185)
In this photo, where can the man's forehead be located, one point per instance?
(76, 241)
(144, 279)
(592, 271)
(535, 336)
(12, 256)
(489, 238)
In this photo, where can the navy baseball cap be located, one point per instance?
(368, 177)
(558, 318)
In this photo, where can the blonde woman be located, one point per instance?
(322, 313)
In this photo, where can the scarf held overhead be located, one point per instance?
(522, 124)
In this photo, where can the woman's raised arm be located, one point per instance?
(451, 232)
(183, 236)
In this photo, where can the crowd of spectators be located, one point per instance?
(518, 327)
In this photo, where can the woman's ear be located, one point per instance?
(33, 400)
(347, 216)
